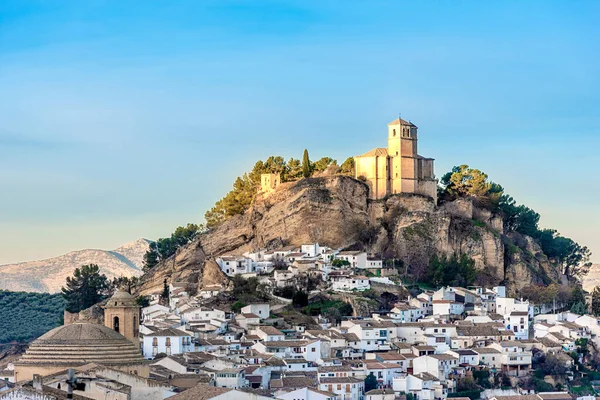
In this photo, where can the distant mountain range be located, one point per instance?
(592, 279)
(50, 275)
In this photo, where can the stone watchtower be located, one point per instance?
(122, 314)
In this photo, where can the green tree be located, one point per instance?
(300, 299)
(164, 248)
(453, 271)
(464, 181)
(293, 170)
(338, 262)
(85, 288)
(518, 218)
(142, 301)
(306, 170)
(347, 167)
(124, 283)
(370, 382)
(323, 163)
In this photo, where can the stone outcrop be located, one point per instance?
(592, 279)
(336, 211)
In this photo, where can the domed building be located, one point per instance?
(70, 346)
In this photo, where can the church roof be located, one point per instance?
(79, 344)
(400, 121)
(376, 152)
(121, 298)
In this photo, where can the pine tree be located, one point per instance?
(86, 288)
(370, 382)
(305, 164)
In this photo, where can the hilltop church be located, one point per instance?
(397, 168)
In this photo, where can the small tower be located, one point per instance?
(122, 314)
(268, 182)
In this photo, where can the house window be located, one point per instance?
(116, 324)
(168, 341)
(155, 342)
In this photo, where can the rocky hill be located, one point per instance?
(335, 211)
(50, 275)
(592, 279)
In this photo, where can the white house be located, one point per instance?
(515, 360)
(422, 386)
(262, 310)
(357, 259)
(168, 341)
(234, 265)
(447, 307)
(307, 394)
(347, 388)
(518, 322)
(202, 314)
(437, 365)
(380, 394)
(232, 378)
(353, 283)
(269, 333)
(489, 357)
(310, 350)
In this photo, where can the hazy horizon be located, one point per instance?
(121, 122)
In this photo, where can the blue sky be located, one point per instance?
(124, 119)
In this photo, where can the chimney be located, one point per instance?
(37, 382)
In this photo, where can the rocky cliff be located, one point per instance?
(592, 279)
(50, 275)
(335, 211)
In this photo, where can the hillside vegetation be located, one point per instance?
(25, 316)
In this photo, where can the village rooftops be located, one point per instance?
(295, 361)
(293, 382)
(201, 392)
(443, 357)
(511, 343)
(486, 350)
(519, 313)
(380, 391)
(170, 332)
(334, 368)
(426, 376)
(391, 356)
(249, 315)
(288, 343)
(466, 352)
(270, 330)
(340, 379)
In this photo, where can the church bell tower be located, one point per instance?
(122, 314)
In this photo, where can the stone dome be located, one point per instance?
(121, 298)
(79, 344)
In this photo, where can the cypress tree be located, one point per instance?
(305, 164)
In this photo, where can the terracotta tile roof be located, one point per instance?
(170, 332)
(270, 330)
(400, 121)
(200, 392)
